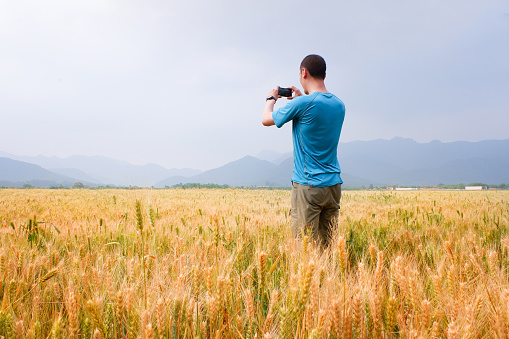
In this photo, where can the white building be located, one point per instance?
(473, 188)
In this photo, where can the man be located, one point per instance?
(317, 119)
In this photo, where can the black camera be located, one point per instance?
(284, 92)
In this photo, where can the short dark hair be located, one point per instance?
(315, 65)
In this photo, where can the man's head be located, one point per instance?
(315, 65)
(312, 70)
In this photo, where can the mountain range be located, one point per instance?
(379, 162)
(101, 170)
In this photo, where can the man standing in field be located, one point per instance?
(317, 118)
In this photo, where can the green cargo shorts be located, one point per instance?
(315, 209)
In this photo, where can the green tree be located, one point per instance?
(78, 185)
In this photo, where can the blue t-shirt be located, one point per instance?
(317, 122)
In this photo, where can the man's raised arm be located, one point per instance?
(269, 108)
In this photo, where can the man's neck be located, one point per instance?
(316, 86)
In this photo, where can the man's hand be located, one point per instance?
(296, 92)
(273, 92)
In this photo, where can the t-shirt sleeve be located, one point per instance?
(290, 111)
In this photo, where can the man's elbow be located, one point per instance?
(267, 122)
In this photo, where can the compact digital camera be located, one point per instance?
(284, 92)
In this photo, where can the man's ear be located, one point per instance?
(304, 72)
(324, 76)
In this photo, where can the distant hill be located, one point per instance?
(273, 157)
(404, 162)
(104, 170)
(15, 173)
(77, 174)
(251, 171)
(248, 171)
(407, 162)
(397, 161)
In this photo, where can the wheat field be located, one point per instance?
(214, 263)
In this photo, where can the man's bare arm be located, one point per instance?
(267, 113)
(269, 108)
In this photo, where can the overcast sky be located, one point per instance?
(183, 83)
